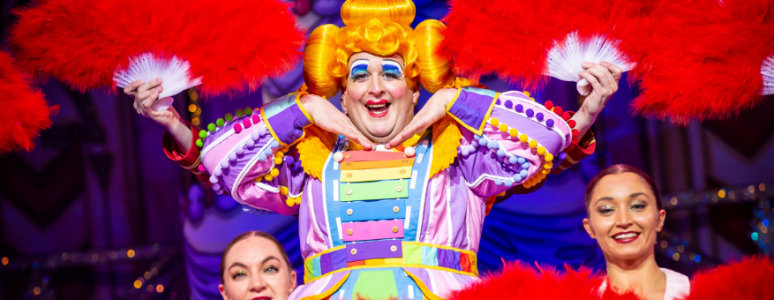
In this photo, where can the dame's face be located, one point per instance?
(377, 98)
(623, 217)
(255, 269)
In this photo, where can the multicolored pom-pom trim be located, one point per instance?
(226, 120)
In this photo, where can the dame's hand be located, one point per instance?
(145, 95)
(331, 119)
(603, 78)
(434, 110)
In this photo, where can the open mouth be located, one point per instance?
(378, 108)
(626, 237)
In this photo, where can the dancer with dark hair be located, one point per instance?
(254, 265)
(625, 216)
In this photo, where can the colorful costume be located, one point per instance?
(385, 224)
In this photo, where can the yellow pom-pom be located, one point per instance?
(541, 150)
(298, 200)
(503, 127)
(533, 144)
(283, 190)
(548, 157)
(268, 177)
(548, 166)
(513, 132)
(544, 172)
(277, 160)
(289, 202)
(495, 122)
(526, 93)
(274, 172)
(523, 138)
(280, 153)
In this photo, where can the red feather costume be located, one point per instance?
(513, 38)
(229, 44)
(518, 281)
(24, 113)
(702, 58)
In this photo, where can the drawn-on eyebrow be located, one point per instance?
(360, 65)
(237, 264)
(391, 66)
(269, 258)
(631, 196)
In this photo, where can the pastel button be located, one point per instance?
(349, 211)
(395, 209)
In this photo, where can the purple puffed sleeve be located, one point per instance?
(510, 139)
(252, 158)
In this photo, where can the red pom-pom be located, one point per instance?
(83, 42)
(549, 104)
(571, 123)
(23, 111)
(558, 110)
(566, 116)
(752, 278)
(518, 281)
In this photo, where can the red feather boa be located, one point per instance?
(23, 112)
(518, 281)
(513, 38)
(228, 43)
(702, 59)
(750, 279)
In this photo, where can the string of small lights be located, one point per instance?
(748, 193)
(763, 213)
(681, 251)
(193, 107)
(40, 267)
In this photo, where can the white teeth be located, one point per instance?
(625, 236)
(378, 107)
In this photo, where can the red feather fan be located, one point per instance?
(518, 281)
(750, 279)
(702, 58)
(513, 38)
(227, 43)
(23, 111)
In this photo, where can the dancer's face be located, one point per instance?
(623, 217)
(255, 269)
(377, 98)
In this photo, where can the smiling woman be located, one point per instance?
(624, 216)
(255, 266)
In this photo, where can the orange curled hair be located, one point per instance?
(379, 27)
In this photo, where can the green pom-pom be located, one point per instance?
(220, 122)
(229, 117)
(211, 127)
(248, 111)
(203, 133)
(238, 113)
(199, 143)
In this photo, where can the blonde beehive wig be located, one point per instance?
(379, 27)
